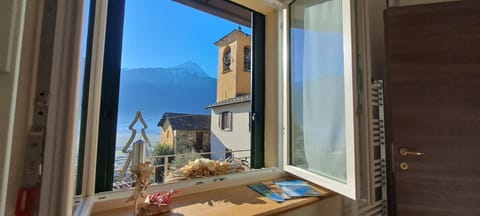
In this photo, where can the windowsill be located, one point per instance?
(240, 200)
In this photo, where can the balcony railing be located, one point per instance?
(166, 164)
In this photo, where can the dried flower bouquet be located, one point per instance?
(205, 167)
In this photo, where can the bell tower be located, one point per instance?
(234, 65)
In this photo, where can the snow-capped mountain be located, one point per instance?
(185, 88)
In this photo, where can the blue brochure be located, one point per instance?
(297, 188)
(268, 192)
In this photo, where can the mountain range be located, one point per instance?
(184, 88)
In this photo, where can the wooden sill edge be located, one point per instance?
(239, 199)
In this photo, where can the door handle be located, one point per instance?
(404, 152)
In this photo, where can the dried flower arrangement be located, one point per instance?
(205, 167)
(142, 171)
(157, 204)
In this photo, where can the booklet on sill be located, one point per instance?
(297, 188)
(269, 190)
(281, 190)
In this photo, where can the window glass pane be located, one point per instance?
(227, 59)
(226, 121)
(175, 61)
(246, 59)
(318, 138)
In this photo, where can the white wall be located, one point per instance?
(11, 22)
(236, 139)
(8, 89)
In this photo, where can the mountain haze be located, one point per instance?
(185, 88)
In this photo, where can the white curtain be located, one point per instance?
(318, 74)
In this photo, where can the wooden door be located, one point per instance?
(433, 56)
(199, 141)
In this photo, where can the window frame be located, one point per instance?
(110, 89)
(85, 92)
(91, 101)
(347, 189)
(187, 187)
(227, 59)
(247, 59)
(101, 98)
(226, 120)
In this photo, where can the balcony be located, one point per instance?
(167, 167)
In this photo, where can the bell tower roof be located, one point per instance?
(232, 36)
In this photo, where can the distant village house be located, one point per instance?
(185, 132)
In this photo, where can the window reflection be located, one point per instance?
(317, 88)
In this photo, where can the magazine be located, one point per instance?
(281, 190)
(268, 192)
(297, 188)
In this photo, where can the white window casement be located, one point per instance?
(319, 87)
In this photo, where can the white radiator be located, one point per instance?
(375, 200)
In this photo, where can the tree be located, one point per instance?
(161, 150)
(182, 160)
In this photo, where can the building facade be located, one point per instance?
(231, 111)
(185, 132)
(232, 132)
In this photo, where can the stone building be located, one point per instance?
(185, 132)
(232, 107)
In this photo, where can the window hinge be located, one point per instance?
(34, 155)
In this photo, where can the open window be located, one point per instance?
(319, 40)
(322, 138)
(319, 94)
(155, 90)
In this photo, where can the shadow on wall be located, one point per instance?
(217, 146)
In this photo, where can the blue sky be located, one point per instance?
(163, 33)
(305, 47)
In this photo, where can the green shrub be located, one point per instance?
(181, 160)
(160, 150)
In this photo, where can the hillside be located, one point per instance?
(185, 88)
